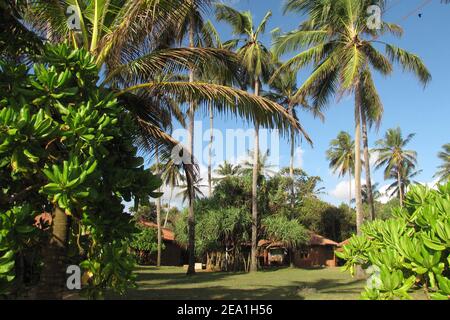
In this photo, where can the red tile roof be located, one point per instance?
(318, 240)
(167, 234)
(315, 240)
(343, 243)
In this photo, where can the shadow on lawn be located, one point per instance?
(154, 286)
(215, 293)
(168, 278)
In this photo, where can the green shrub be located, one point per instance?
(66, 143)
(409, 250)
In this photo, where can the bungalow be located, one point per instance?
(318, 252)
(173, 254)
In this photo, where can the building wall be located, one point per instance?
(315, 256)
(172, 255)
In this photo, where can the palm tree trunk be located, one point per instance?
(52, 282)
(399, 183)
(254, 262)
(168, 207)
(291, 166)
(191, 215)
(211, 139)
(349, 188)
(158, 215)
(358, 196)
(367, 166)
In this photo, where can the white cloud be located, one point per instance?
(384, 198)
(341, 191)
(373, 158)
(298, 157)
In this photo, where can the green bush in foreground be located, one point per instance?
(67, 149)
(410, 250)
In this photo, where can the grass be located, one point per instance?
(273, 284)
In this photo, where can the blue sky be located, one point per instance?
(407, 104)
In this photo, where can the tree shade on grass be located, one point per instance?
(270, 284)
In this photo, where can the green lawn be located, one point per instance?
(285, 283)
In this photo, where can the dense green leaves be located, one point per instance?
(410, 249)
(67, 144)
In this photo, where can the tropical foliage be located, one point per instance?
(397, 161)
(409, 251)
(67, 148)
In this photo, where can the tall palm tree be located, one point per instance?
(371, 114)
(169, 110)
(394, 158)
(341, 156)
(210, 73)
(257, 61)
(444, 168)
(192, 25)
(342, 48)
(282, 90)
(132, 40)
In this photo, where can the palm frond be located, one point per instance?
(409, 62)
(226, 100)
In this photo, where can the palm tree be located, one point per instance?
(365, 193)
(444, 168)
(169, 109)
(197, 186)
(131, 42)
(407, 174)
(226, 170)
(209, 73)
(341, 47)
(394, 158)
(341, 156)
(282, 91)
(172, 177)
(371, 114)
(191, 24)
(257, 61)
(265, 169)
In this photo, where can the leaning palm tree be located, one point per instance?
(341, 156)
(444, 169)
(172, 176)
(339, 44)
(257, 61)
(394, 158)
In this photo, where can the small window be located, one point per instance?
(304, 254)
